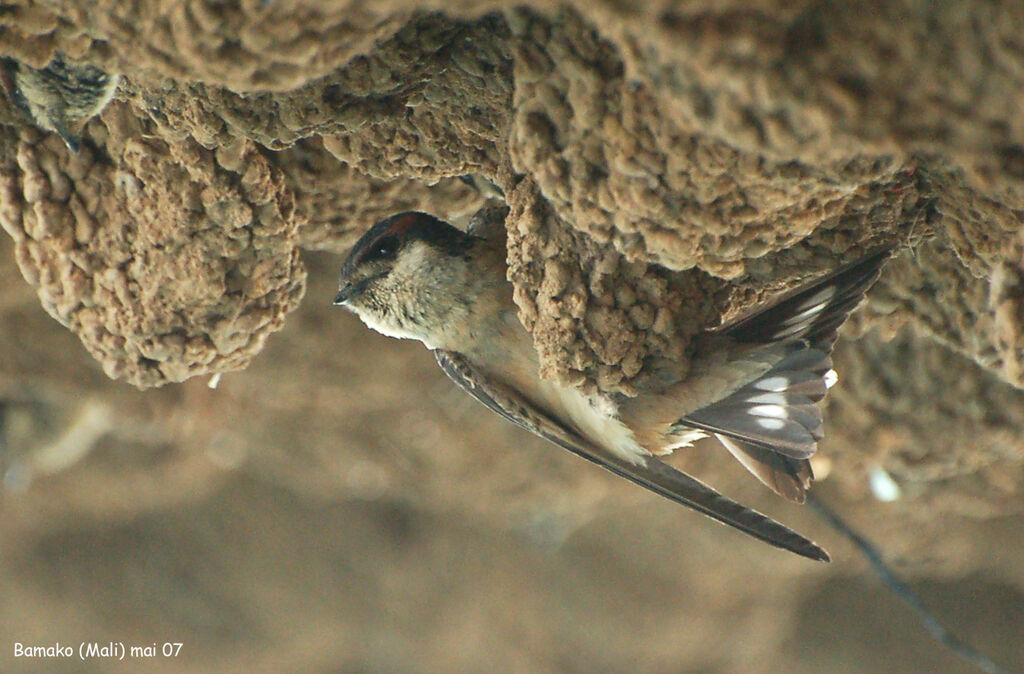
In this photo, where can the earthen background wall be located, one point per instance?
(664, 163)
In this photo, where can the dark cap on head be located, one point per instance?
(392, 234)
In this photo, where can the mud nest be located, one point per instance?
(663, 165)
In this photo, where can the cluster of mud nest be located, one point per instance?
(663, 163)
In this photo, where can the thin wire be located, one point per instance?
(903, 591)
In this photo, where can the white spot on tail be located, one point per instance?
(830, 378)
(819, 298)
(774, 411)
(770, 424)
(772, 384)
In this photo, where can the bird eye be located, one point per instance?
(383, 249)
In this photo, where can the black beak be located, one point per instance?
(351, 290)
(344, 295)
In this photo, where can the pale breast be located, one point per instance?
(517, 366)
(597, 421)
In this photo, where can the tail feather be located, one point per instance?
(785, 418)
(789, 478)
(812, 312)
(773, 424)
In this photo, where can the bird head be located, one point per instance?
(409, 276)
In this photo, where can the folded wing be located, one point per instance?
(648, 472)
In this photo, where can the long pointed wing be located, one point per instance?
(650, 473)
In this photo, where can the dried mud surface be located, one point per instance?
(335, 504)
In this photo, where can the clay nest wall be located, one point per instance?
(663, 163)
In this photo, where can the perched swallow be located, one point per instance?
(60, 94)
(755, 383)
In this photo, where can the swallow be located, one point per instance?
(755, 383)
